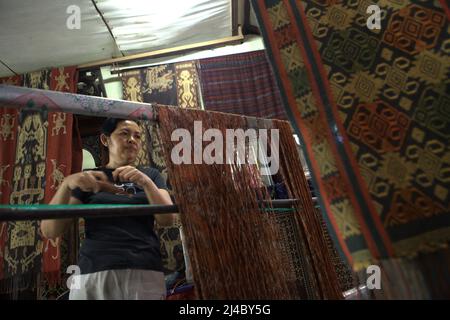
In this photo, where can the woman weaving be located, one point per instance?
(120, 257)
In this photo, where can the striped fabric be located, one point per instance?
(242, 84)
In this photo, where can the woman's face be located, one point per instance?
(125, 143)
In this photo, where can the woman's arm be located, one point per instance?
(156, 195)
(160, 196)
(88, 181)
(54, 228)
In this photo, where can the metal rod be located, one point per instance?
(37, 99)
(79, 211)
(43, 212)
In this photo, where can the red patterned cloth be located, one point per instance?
(59, 162)
(39, 148)
(8, 131)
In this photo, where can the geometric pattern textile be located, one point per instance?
(372, 110)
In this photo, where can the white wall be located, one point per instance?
(88, 160)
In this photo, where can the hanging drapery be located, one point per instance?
(8, 130)
(60, 163)
(242, 84)
(168, 84)
(40, 153)
(23, 246)
(58, 254)
(159, 84)
(187, 85)
(236, 249)
(369, 106)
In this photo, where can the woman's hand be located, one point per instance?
(153, 193)
(131, 174)
(87, 181)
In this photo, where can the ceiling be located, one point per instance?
(34, 34)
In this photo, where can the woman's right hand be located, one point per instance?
(87, 181)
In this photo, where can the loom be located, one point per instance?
(229, 219)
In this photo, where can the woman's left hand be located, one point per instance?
(131, 174)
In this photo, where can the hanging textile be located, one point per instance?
(23, 248)
(241, 83)
(8, 131)
(60, 163)
(236, 250)
(58, 254)
(39, 155)
(160, 84)
(172, 253)
(369, 107)
(187, 85)
(168, 84)
(132, 85)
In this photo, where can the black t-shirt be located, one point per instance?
(122, 242)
